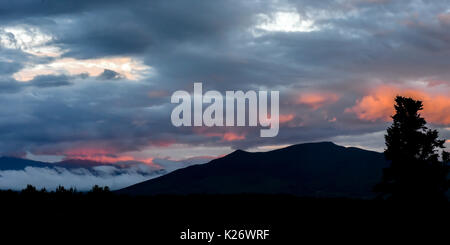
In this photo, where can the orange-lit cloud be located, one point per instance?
(228, 136)
(379, 105)
(334, 119)
(225, 136)
(233, 137)
(315, 100)
(103, 156)
(284, 118)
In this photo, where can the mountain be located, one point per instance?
(314, 169)
(78, 163)
(12, 163)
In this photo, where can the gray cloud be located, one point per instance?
(110, 75)
(45, 81)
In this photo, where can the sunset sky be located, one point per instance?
(93, 79)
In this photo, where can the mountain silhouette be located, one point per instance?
(13, 163)
(313, 169)
(78, 163)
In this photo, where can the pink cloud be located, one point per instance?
(228, 136)
(233, 136)
(225, 136)
(284, 118)
(104, 156)
(316, 100)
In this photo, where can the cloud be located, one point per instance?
(232, 136)
(315, 100)
(371, 141)
(378, 105)
(110, 75)
(284, 21)
(103, 155)
(44, 81)
(29, 39)
(130, 68)
(9, 67)
(8, 86)
(81, 179)
(222, 134)
(284, 118)
(323, 57)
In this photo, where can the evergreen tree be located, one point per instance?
(416, 171)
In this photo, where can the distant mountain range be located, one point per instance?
(13, 163)
(314, 169)
(93, 167)
(16, 173)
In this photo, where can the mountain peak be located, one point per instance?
(238, 152)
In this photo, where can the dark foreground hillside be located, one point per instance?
(105, 217)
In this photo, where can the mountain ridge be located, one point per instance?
(16, 163)
(310, 169)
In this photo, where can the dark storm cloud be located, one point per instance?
(19, 10)
(356, 44)
(140, 25)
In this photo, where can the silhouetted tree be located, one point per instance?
(416, 171)
(98, 191)
(30, 190)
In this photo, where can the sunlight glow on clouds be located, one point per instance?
(378, 105)
(227, 136)
(132, 69)
(284, 118)
(104, 156)
(34, 41)
(315, 100)
(28, 39)
(285, 22)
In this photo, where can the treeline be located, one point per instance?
(60, 191)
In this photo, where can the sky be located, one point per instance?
(93, 79)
